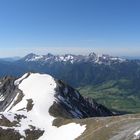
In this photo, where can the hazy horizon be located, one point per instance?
(61, 51)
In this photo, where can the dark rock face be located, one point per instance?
(100, 110)
(76, 105)
(7, 91)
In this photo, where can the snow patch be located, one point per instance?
(17, 82)
(2, 98)
(9, 116)
(34, 58)
(137, 135)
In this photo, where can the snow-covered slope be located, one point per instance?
(36, 100)
(39, 90)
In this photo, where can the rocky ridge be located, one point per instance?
(35, 101)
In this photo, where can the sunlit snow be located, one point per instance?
(137, 135)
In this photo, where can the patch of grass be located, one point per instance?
(34, 134)
(116, 95)
(9, 134)
(104, 128)
(5, 122)
(57, 110)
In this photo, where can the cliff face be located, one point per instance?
(7, 91)
(76, 105)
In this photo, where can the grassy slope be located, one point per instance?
(106, 128)
(119, 95)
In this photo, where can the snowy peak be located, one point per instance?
(32, 57)
(27, 112)
(49, 58)
(104, 58)
(34, 101)
(30, 85)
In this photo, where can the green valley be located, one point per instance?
(120, 95)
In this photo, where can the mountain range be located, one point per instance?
(70, 58)
(58, 64)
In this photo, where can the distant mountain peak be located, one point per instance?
(92, 54)
(30, 55)
(49, 55)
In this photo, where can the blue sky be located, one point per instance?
(69, 26)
